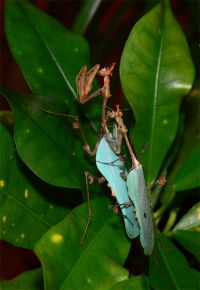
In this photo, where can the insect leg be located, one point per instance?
(115, 208)
(90, 97)
(87, 176)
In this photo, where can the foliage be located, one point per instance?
(42, 188)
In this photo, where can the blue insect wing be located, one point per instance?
(111, 167)
(138, 194)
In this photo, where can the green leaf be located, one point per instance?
(29, 280)
(188, 176)
(94, 264)
(169, 268)
(189, 240)
(85, 15)
(156, 72)
(28, 207)
(134, 283)
(48, 144)
(49, 55)
(189, 140)
(190, 220)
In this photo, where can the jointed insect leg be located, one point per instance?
(89, 178)
(87, 174)
(115, 208)
(92, 96)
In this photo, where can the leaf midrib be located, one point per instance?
(41, 129)
(26, 208)
(55, 61)
(153, 123)
(88, 249)
(59, 67)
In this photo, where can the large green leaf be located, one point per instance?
(95, 264)
(189, 140)
(190, 240)
(49, 145)
(29, 280)
(28, 207)
(134, 283)
(169, 268)
(156, 72)
(188, 177)
(49, 55)
(190, 220)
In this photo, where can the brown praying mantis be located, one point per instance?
(85, 79)
(84, 82)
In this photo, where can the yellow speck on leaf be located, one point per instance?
(22, 236)
(89, 280)
(2, 183)
(165, 121)
(26, 193)
(57, 238)
(40, 70)
(4, 218)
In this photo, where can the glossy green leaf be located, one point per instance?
(28, 207)
(94, 264)
(156, 72)
(85, 15)
(50, 61)
(134, 283)
(45, 51)
(51, 58)
(169, 268)
(190, 240)
(190, 220)
(188, 177)
(29, 280)
(49, 144)
(189, 140)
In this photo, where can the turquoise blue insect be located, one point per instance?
(138, 193)
(111, 167)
